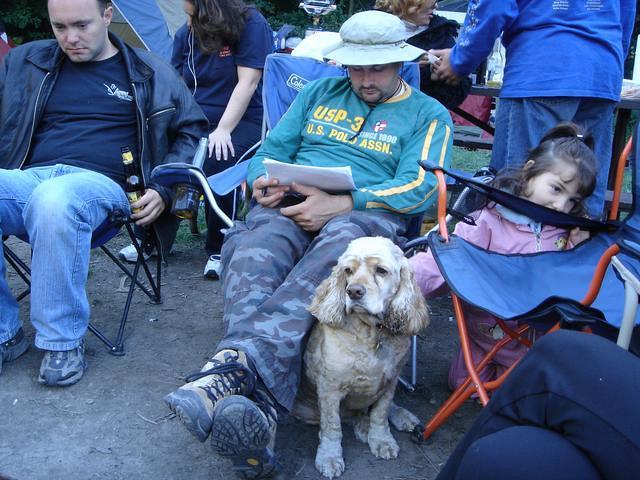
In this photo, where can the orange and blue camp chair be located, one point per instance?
(581, 288)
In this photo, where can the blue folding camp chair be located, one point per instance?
(284, 77)
(584, 287)
(105, 232)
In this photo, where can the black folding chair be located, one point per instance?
(101, 236)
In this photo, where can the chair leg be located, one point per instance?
(410, 385)
(455, 401)
(21, 268)
(472, 383)
(154, 283)
(117, 350)
(117, 347)
(154, 293)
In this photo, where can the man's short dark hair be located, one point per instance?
(102, 4)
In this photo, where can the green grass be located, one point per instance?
(185, 238)
(626, 180)
(470, 160)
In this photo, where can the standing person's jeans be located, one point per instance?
(521, 123)
(569, 410)
(57, 208)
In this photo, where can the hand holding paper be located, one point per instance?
(267, 192)
(329, 179)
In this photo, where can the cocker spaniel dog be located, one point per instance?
(367, 311)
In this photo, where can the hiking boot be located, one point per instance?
(13, 348)
(213, 267)
(227, 373)
(245, 431)
(61, 369)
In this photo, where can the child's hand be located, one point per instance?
(577, 236)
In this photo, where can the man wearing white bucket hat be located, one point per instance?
(380, 127)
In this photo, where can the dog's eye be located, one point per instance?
(381, 271)
(348, 271)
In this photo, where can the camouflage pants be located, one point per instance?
(271, 268)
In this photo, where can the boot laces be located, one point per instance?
(229, 381)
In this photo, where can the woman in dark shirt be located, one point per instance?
(220, 53)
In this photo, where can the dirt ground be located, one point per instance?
(114, 425)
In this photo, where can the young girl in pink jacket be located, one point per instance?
(559, 174)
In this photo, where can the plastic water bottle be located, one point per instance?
(495, 65)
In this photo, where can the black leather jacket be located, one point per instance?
(170, 123)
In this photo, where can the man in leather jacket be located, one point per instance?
(67, 109)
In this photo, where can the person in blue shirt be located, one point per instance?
(220, 53)
(564, 62)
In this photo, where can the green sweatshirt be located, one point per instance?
(328, 125)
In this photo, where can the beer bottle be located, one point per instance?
(133, 183)
(186, 197)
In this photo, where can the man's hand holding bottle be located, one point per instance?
(148, 208)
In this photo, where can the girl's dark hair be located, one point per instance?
(217, 23)
(566, 142)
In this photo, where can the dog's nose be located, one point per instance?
(355, 291)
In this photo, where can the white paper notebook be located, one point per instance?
(324, 178)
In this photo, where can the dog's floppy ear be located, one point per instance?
(328, 304)
(407, 313)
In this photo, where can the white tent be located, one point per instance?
(149, 24)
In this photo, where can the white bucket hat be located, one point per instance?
(373, 38)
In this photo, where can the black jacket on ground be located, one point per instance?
(441, 34)
(170, 123)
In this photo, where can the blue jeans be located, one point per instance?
(521, 123)
(57, 208)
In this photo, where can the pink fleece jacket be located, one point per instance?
(499, 230)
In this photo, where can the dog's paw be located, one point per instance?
(329, 465)
(329, 461)
(385, 447)
(402, 419)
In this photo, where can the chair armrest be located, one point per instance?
(171, 174)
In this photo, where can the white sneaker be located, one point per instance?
(129, 254)
(213, 268)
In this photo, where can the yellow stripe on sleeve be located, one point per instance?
(445, 143)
